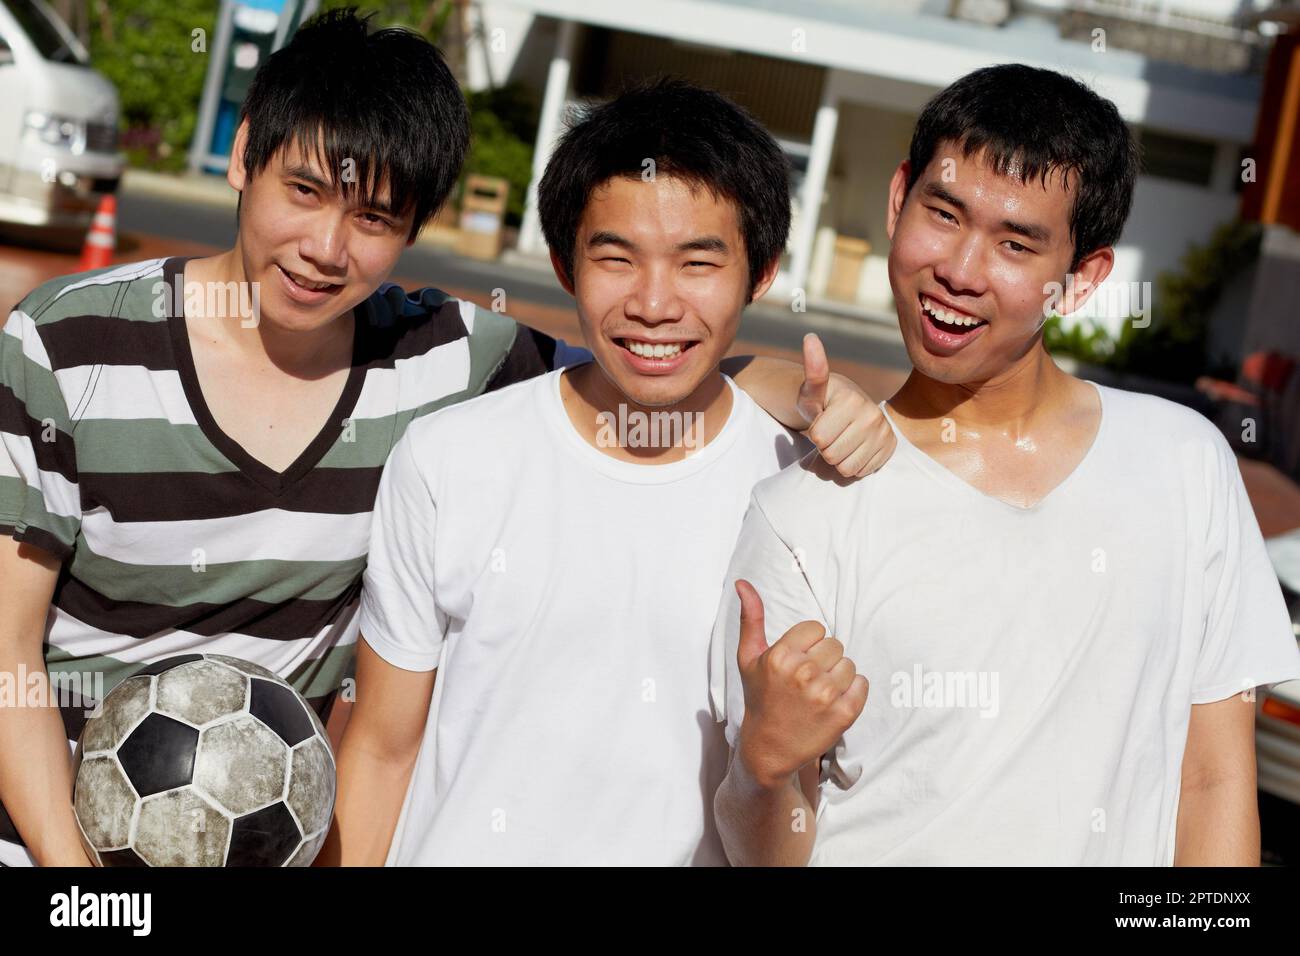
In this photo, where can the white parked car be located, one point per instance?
(58, 123)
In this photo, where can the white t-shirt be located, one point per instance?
(566, 600)
(1032, 670)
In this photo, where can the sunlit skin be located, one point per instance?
(272, 386)
(998, 413)
(658, 262)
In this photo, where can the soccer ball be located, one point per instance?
(204, 760)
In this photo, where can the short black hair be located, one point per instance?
(1036, 121)
(384, 99)
(690, 132)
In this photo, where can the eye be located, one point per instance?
(373, 219)
(944, 214)
(303, 190)
(1017, 247)
(611, 259)
(698, 262)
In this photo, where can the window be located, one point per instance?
(36, 20)
(1176, 157)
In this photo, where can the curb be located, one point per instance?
(190, 187)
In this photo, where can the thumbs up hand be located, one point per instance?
(845, 425)
(801, 694)
(816, 378)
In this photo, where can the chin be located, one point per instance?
(653, 387)
(940, 372)
(949, 370)
(649, 391)
(654, 394)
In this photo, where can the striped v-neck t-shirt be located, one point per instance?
(174, 539)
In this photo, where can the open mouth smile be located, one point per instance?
(947, 330)
(306, 290)
(655, 357)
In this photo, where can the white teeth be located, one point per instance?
(314, 286)
(948, 318)
(647, 350)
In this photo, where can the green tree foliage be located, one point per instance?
(1174, 346)
(146, 48)
(503, 127)
(407, 13)
(147, 51)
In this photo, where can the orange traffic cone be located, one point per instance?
(102, 238)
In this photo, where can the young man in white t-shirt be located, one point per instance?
(555, 555)
(1058, 590)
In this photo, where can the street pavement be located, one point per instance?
(873, 356)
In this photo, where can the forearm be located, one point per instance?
(372, 783)
(1218, 824)
(764, 825)
(772, 383)
(36, 770)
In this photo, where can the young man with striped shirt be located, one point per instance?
(191, 448)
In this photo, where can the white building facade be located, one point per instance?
(840, 83)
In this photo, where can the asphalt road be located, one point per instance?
(849, 340)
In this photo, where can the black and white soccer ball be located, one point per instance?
(204, 760)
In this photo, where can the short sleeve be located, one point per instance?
(1249, 640)
(40, 502)
(400, 618)
(778, 573)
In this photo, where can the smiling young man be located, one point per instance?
(191, 447)
(1058, 590)
(562, 588)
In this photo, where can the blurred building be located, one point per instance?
(840, 83)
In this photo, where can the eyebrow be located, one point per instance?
(1028, 230)
(605, 238)
(704, 244)
(698, 244)
(309, 175)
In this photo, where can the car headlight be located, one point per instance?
(55, 130)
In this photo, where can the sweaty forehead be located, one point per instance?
(951, 163)
(663, 204)
(976, 182)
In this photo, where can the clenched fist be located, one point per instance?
(801, 694)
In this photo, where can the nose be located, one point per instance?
(326, 244)
(961, 266)
(654, 296)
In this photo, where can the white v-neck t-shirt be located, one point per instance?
(1033, 669)
(566, 599)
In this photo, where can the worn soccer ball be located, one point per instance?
(204, 760)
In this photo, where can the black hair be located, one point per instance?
(384, 99)
(689, 132)
(1033, 122)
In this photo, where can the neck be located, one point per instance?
(1030, 391)
(612, 422)
(218, 294)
